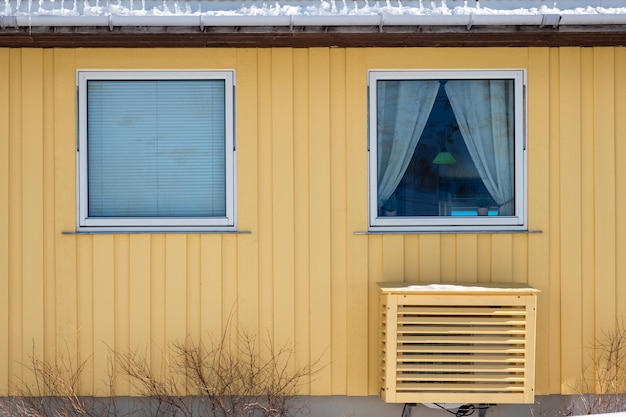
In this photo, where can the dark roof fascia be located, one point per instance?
(302, 37)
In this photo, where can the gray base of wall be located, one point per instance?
(371, 406)
(340, 406)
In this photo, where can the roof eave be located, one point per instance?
(303, 31)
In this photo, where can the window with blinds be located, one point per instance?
(156, 149)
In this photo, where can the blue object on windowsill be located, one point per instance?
(468, 213)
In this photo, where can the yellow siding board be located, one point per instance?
(570, 214)
(604, 184)
(448, 254)
(484, 254)
(520, 259)
(554, 225)
(466, 259)
(59, 161)
(337, 106)
(374, 253)
(16, 348)
(211, 287)
(85, 310)
(320, 215)
(158, 341)
(539, 208)
(103, 305)
(265, 187)
(376, 270)
(375, 260)
(302, 209)
(283, 193)
(519, 262)
(375, 274)
(228, 261)
(4, 220)
(430, 258)
(501, 258)
(139, 293)
(139, 298)
(61, 217)
(175, 288)
(48, 240)
(359, 316)
(587, 320)
(64, 113)
(620, 175)
(193, 297)
(121, 283)
(248, 190)
(32, 200)
(411, 259)
(214, 58)
(393, 258)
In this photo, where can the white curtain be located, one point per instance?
(484, 112)
(403, 109)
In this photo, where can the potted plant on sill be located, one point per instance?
(482, 206)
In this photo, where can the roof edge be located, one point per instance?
(233, 37)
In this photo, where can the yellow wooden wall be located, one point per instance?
(302, 274)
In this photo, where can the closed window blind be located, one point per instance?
(156, 148)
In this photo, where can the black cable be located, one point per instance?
(406, 410)
(464, 410)
(444, 408)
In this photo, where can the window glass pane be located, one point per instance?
(445, 147)
(156, 148)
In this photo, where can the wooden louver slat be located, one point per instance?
(458, 348)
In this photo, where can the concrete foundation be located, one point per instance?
(331, 406)
(340, 406)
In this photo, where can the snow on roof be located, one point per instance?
(260, 8)
(292, 13)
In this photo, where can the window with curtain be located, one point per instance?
(156, 150)
(447, 150)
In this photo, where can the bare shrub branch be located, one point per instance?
(224, 378)
(54, 391)
(227, 377)
(606, 391)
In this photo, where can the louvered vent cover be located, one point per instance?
(452, 344)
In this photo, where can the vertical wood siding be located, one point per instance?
(302, 275)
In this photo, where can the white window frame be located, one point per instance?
(517, 222)
(155, 224)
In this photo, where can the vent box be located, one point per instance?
(457, 344)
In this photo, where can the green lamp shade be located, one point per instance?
(444, 158)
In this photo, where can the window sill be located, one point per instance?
(447, 232)
(158, 232)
